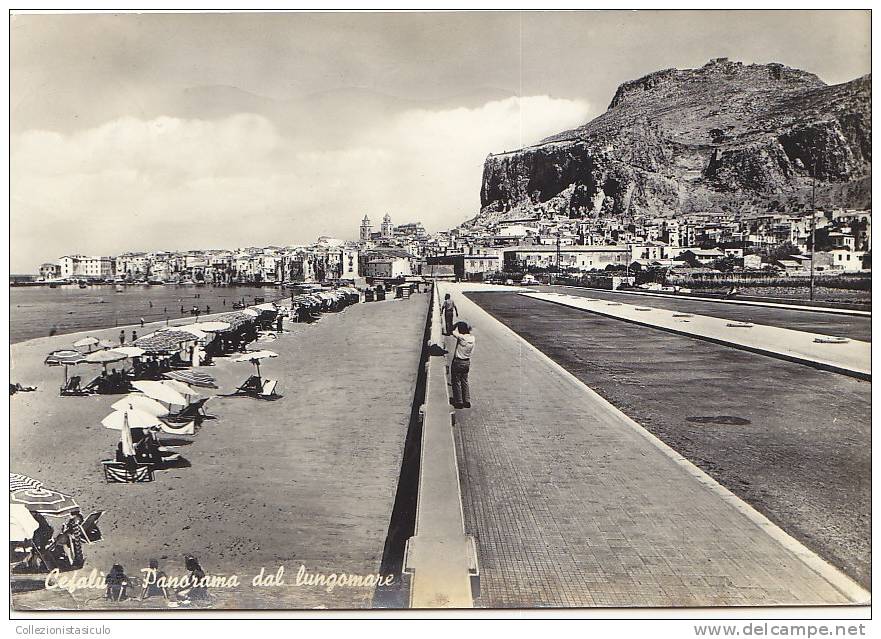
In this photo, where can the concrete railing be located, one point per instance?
(440, 558)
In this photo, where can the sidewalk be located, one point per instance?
(853, 357)
(573, 504)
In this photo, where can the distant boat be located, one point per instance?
(118, 288)
(83, 285)
(156, 282)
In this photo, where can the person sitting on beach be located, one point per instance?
(196, 590)
(116, 583)
(154, 582)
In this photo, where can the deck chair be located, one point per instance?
(89, 528)
(252, 386)
(73, 387)
(195, 411)
(121, 473)
(268, 390)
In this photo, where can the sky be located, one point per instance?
(185, 131)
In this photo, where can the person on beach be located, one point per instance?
(461, 365)
(279, 323)
(156, 576)
(122, 337)
(181, 309)
(116, 583)
(142, 322)
(207, 310)
(134, 336)
(196, 591)
(449, 308)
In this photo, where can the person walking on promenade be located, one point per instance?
(142, 322)
(461, 365)
(449, 307)
(122, 337)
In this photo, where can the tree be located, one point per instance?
(784, 251)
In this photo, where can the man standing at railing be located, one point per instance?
(448, 308)
(461, 365)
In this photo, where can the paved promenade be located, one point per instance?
(845, 323)
(852, 357)
(573, 504)
(308, 479)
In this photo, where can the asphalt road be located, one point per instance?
(792, 441)
(853, 327)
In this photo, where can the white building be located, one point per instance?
(388, 267)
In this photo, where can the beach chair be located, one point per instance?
(193, 412)
(89, 528)
(73, 388)
(122, 473)
(252, 386)
(268, 390)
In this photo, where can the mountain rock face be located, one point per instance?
(726, 136)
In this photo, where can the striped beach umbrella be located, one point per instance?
(18, 481)
(193, 378)
(43, 500)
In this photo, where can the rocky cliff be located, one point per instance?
(726, 136)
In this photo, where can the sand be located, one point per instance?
(308, 480)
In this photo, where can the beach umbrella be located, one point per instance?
(124, 421)
(211, 327)
(251, 312)
(21, 523)
(55, 357)
(255, 357)
(104, 358)
(21, 482)
(193, 378)
(105, 343)
(268, 306)
(195, 332)
(129, 351)
(65, 358)
(187, 391)
(130, 418)
(140, 403)
(86, 341)
(160, 392)
(43, 500)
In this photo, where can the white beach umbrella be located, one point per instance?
(21, 523)
(267, 306)
(141, 403)
(86, 341)
(182, 388)
(134, 418)
(105, 343)
(251, 312)
(255, 357)
(160, 392)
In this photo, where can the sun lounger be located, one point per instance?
(89, 528)
(195, 411)
(73, 388)
(268, 390)
(122, 473)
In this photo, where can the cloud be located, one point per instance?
(176, 183)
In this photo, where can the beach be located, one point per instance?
(307, 480)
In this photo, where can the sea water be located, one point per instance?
(40, 311)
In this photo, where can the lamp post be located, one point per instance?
(813, 224)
